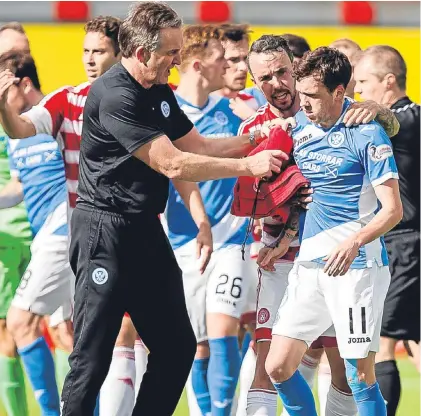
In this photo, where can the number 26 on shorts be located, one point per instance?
(224, 286)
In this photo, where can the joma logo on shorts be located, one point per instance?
(359, 340)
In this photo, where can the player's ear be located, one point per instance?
(390, 80)
(339, 93)
(197, 65)
(26, 85)
(142, 55)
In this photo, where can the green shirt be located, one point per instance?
(13, 221)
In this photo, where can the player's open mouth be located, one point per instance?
(281, 97)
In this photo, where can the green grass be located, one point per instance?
(409, 404)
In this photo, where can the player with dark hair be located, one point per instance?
(352, 50)
(381, 76)
(270, 65)
(235, 40)
(341, 274)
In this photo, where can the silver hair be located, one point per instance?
(142, 26)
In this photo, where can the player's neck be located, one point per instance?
(392, 96)
(291, 112)
(335, 116)
(133, 68)
(193, 92)
(226, 92)
(35, 96)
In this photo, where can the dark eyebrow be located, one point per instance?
(95, 49)
(308, 95)
(264, 76)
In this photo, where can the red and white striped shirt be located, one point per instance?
(249, 100)
(60, 114)
(271, 227)
(256, 121)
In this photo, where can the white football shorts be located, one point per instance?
(222, 288)
(48, 283)
(353, 303)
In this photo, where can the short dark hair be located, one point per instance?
(388, 60)
(298, 45)
(269, 44)
(143, 24)
(232, 32)
(16, 26)
(21, 65)
(109, 26)
(328, 65)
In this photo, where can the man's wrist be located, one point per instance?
(204, 225)
(244, 168)
(359, 241)
(255, 138)
(252, 138)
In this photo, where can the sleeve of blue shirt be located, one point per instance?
(375, 152)
(14, 171)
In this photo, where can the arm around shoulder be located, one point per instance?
(387, 119)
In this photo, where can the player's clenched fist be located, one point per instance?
(7, 78)
(265, 163)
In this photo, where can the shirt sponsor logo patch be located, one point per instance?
(336, 139)
(301, 140)
(378, 153)
(221, 118)
(361, 340)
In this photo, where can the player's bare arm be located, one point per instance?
(15, 125)
(284, 240)
(11, 194)
(387, 119)
(190, 194)
(234, 147)
(387, 217)
(161, 155)
(364, 112)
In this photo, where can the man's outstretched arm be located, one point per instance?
(232, 147)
